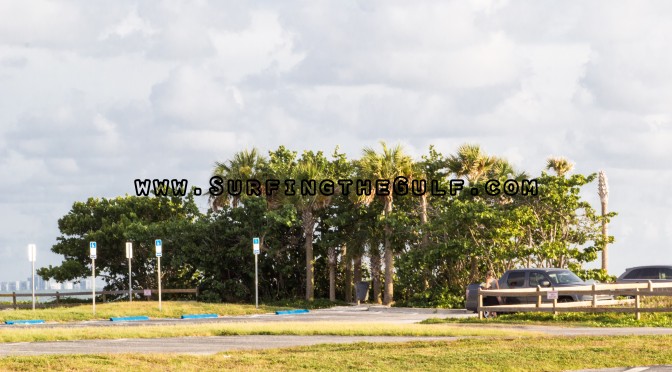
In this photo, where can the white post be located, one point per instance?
(255, 251)
(158, 245)
(31, 256)
(130, 284)
(93, 283)
(33, 283)
(92, 253)
(129, 255)
(159, 258)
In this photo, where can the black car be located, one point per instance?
(642, 274)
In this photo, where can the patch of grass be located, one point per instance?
(579, 319)
(170, 309)
(521, 354)
(30, 334)
(569, 319)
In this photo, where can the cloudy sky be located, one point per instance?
(96, 94)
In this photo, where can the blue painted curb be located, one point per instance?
(287, 312)
(129, 318)
(199, 316)
(31, 321)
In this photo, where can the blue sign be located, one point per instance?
(158, 245)
(92, 250)
(255, 245)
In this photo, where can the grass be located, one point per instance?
(37, 334)
(170, 309)
(579, 319)
(569, 319)
(518, 354)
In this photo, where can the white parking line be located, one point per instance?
(638, 369)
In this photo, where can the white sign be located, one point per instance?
(255, 245)
(159, 247)
(92, 250)
(31, 252)
(552, 295)
(147, 292)
(129, 250)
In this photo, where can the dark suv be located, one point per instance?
(642, 274)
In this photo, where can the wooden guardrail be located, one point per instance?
(59, 295)
(636, 290)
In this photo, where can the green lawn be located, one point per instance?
(502, 354)
(570, 319)
(170, 309)
(36, 334)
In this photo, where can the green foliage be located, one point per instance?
(439, 244)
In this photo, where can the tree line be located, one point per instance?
(415, 248)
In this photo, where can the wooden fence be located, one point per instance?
(595, 305)
(104, 294)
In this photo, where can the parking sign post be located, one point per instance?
(31, 258)
(255, 250)
(92, 254)
(129, 255)
(159, 248)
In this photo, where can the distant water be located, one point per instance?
(63, 293)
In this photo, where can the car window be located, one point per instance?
(665, 273)
(649, 273)
(634, 274)
(645, 273)
(564, 277)
(516, 279)
(536, 279)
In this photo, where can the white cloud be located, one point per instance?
(93, 95)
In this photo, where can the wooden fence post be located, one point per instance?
(480, 304)
(594, 296)
(14, 299)
(637, 314)
(538, 296)
(555, 303)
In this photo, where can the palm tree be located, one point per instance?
(470, 162)
(559, 165)
(603, 191)
(473, 164)
(244, 165)
(387, 165)
(311, 167)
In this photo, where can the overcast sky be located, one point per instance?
(96, 94)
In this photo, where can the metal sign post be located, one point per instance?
(255, 250)
(31, 257)
(92, 255)
(159, 248)
(129, 255)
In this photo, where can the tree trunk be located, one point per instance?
(389, 258)
(347, 287)
(308, 229)
(357, 269)
(605, 254)
(375, 273)
(331, 256)
(423, 220)
(425, 239)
